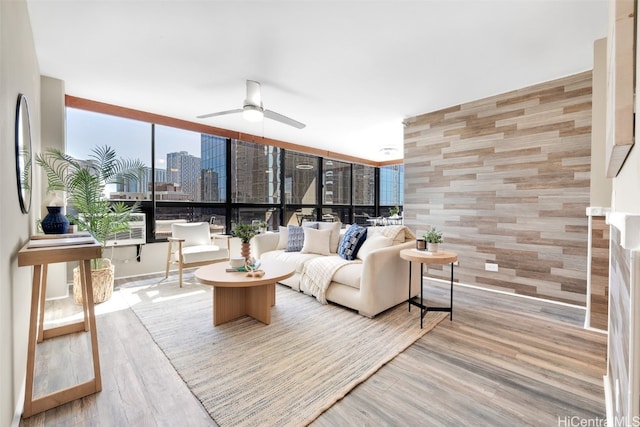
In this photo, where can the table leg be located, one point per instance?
(43, 293)
(451, 295)
(87, 283)
(272, 294)
(233, 303)
(422, 306)
(409, 300)
(33, 332)
(259, 301)
(83, 293)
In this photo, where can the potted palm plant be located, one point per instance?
(85, 182)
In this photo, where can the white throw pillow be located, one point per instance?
(377, 241)
(283, 236)
(316, 241)
(335, 233)
(335, 228)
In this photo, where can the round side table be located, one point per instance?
(435, 258)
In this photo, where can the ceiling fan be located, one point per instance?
(253, 110)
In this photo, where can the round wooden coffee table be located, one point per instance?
(236, 295)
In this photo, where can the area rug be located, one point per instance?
(287, 373)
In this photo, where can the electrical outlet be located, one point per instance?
(490, 266)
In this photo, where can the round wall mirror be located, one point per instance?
(24, 161)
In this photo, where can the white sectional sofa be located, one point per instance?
(371, 284)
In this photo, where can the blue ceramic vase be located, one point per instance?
(55, 222)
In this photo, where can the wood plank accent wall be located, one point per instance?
(599, 273)
(507, 180)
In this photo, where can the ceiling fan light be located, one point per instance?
(252, 113)
(388, 151)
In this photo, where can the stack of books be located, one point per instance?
(48, 240)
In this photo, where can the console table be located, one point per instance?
(424, 257)
(39, 254)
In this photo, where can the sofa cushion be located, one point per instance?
(211, 253)
(377, 241)
(351, 242)
(295, 240)
(335, 228)
(295, 260)
(316, 241)
(349, 275)
(283, 236)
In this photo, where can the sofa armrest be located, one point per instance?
(385, 279)
(262, 243)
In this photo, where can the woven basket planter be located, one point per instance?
(101, 279)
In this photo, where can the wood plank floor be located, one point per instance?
(502, 361)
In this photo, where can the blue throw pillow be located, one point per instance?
(353, 238)
(295, 241)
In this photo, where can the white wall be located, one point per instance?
(621, 381)
(52, 131)
(626, 186)
(19, 73)
(152, 258)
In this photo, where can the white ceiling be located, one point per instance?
(350, 70)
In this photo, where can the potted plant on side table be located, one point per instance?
(85, 185)
(433, 238)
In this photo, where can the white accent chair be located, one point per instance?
(190, 245)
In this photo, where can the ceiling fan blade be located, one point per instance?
(220, 113)
(283, 119)
(253, 94)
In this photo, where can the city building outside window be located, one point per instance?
(255, 173)
(391, 188)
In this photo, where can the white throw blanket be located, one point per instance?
(392, 232)
(318, 273)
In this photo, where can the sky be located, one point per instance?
(130, 138)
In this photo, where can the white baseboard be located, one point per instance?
(608, 400)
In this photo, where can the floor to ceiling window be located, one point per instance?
(391, 188)
(336, 191)
(192, 176)
(364, 189)
(131, 139)
(255, 183)
(300, 187)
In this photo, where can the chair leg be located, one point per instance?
(166, 272)
(180, 272)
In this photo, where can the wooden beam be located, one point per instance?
(130, 113)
